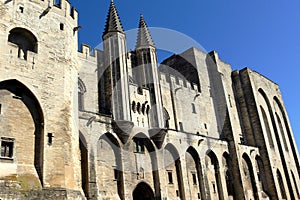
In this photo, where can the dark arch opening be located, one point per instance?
(192, 151)
(84, 164)
(252, 178)
(143, 192)
(24, 39)
(229, 175)
(22, 93)
(262, 175)
(214, 161)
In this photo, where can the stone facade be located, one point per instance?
(113, 125)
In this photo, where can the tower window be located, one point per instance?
(21, 9)
(61, 26)
(194, 178)
(7, 145)
(170, 177)
(116, 174)
(139, 145)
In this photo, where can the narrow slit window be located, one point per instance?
(170, 177)
(194, 178)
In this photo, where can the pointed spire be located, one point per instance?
(144, 38)
(113, 22)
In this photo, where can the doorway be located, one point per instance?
(143, 192)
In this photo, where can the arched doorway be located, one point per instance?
(143, 192)
(23, 125)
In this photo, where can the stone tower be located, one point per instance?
(148, 73)
(116, 83)
(38, 98)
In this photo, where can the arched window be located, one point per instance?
(25, 41)
(138, 107)
(81, 91)
(133, 106)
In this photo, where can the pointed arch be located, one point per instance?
(281, 132)
(194, 169)
(267, 127)
(110, 157)
(228, 174)
(249, 173)
(262, 174)
(142, 142)
(143, 191)
(26, 96)
(215, 163)
(289, 134)
(172, 161)
(279, 142)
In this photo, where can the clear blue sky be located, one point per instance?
(262, 35)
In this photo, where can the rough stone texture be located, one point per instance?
(113, 125)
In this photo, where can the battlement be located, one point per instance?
(86, 52)
(61, 7)
(177, 82)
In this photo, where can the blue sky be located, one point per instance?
(262, 35)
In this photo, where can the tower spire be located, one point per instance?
(144, 38)
(113, 22)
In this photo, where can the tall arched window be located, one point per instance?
(81, 91)
(25, 41)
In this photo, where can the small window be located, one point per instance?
(7, 146)
(205, 126)
(138, 107)
(214, 187)
(50, 138)
(194, 178)
(116, 174)
(61, 26)
(139, 145)
(21, 9)
(242, 140)
(170, 177)
(133, 106)
(0, 109)
(180, 126)
(194, 108)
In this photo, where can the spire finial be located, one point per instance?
(113, 22)
(144, 38)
